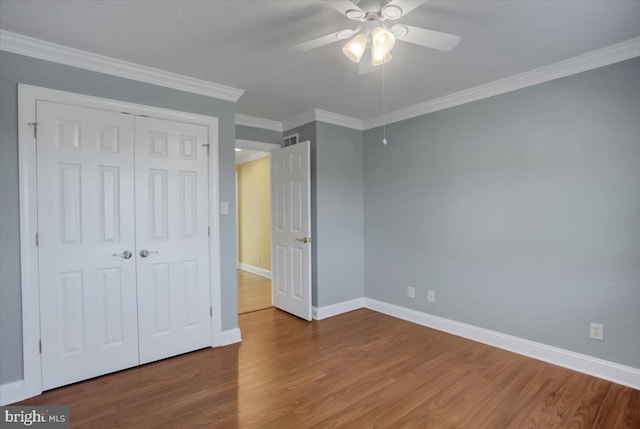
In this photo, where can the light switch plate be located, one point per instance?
(224, 207)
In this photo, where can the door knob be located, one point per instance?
(304, 240)
(124, 255)
(144, 253)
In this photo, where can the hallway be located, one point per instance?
(254, 292)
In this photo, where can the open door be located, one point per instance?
(290, 229)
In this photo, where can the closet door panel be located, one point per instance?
(88, 312)
(172, 212)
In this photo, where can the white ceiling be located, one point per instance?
(245, 44)
(246, 155)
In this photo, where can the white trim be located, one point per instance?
(12, 392)
(251, 157)
(27, 97)
(600, 368)
(30, 295)
(256, 145)
(598, 58)
(327, 311)
(254, 270)
(237, 222)
(298, 120)
(230, 336)
(340, 120)
(323, 116)
(36, 48)
(301, 119)
(252, 121)
(214, 239)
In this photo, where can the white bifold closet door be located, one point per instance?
(88, 304)
(123, 240)
(172, 226)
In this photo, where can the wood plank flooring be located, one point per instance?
(358, 370)
(254, 292)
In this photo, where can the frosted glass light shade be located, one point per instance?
(355, 48)
(382, 39)
(378, 57)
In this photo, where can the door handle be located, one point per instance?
(124, 255)
(304, 240)
(144, 253)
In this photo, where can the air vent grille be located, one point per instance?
(290, 140)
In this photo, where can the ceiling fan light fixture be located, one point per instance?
(379, 57)
(382, 39)
(355, 48)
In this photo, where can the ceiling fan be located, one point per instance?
(373, 33)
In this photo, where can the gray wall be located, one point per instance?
(336, 211)
(258, 134)
(521, 211)
(16, 69)
(339, 193)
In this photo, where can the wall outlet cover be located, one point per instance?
(411, 292)
(431, 296)
(596, 331)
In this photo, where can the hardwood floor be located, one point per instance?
(254, 292)
(358, 370)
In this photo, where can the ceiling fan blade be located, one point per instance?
(322, 41)
(423, 37)
(347, 8)
(365, 66)
(396, 9)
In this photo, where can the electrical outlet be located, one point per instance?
(411, 292)
(431, 296)
(596, 331)
(259, 258)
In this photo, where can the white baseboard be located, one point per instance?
(255, 270)
(230, 336)
(12, 392)
(621, 374)
(325, 312)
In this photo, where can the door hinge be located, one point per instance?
(209, 231)
(37, 239)
(208, 146)
(40, 346)
(35, 129)
(210, 311)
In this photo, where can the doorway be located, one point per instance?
(253, 202)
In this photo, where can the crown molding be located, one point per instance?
(591, 60)
(337, 119)
(36, 48)
(255, 122)
(323, 116)
(299, 120)
(256, 145)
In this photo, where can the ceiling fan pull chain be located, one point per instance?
(384, 111)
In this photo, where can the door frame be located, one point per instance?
(28, 95)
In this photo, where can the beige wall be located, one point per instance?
(254, 212)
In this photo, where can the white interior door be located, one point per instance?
(88, 309)
(172, 237)
(291, 229)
